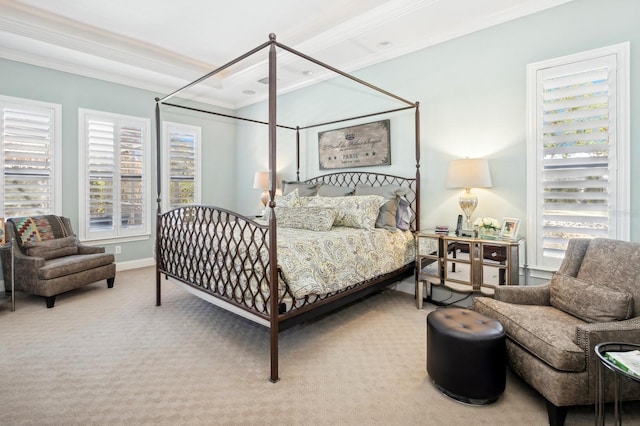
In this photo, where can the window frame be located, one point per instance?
(118, 234)
(619, 162)
(55, 149)
(166, 180)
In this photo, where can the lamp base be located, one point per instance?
(264, 198)
(468, 203)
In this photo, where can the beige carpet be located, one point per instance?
(110, 356)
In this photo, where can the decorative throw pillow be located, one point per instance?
(586, 300)
(310, 218)
(403, 214)
(334, 191)
(304, 189)
(38, 228)
(51, 249)
(387, 216)
(353, 211)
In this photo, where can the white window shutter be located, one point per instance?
(132, 196)
(577, 137)
(115, 191)
(577, 177)
(101, 165)
(182, 165)
(30, 133)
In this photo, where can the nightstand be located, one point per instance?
(465, 264)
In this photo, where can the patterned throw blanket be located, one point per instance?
(38, 228)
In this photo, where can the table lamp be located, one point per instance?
(261, 181)
(468, 173)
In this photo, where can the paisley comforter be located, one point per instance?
(323, 262)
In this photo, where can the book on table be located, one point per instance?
(628, 361)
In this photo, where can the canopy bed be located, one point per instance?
(238, 262)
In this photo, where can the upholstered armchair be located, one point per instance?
(49, 260)
(552, 329)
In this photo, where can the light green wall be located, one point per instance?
(472, 92)
(74, 92)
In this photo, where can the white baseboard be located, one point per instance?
(135, 264)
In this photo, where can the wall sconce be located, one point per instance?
(261, 181)
(468, 173)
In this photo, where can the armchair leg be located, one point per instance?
(557, 415)
(110, 282)
(51, 300)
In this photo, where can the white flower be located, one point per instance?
(487, 223)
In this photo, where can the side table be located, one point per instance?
(12, 297)
(466, 264)
(600, 351)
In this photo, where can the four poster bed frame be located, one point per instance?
(180, 248)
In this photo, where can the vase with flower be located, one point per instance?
(487, 227)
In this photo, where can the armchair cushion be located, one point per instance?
(51, 249)
(613, 264)
(585, 300)
(67, 265)
(544, 331)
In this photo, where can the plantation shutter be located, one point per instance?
(101, 167)
(131, 176)
(182, 167)
(116, 187)
(28, 136)
(579, 168)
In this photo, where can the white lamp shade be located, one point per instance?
(261, 180)
(469, 173)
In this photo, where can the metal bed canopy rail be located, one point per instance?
(272, 104)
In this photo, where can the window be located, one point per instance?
(31, 135)
(578, 150)
(181, 167)
(115, 188)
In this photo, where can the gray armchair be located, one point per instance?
(552, 329)
(49, 260)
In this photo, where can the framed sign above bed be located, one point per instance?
(355, 146)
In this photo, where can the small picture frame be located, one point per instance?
(2, 239)
(509, 229)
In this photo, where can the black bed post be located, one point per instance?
(158, 207)
(273, 241)
(417, 166)
(298, 153)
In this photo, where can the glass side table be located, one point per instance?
(600, 350)
(12, 298)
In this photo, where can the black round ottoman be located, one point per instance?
(466, 356)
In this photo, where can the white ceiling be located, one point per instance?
(162, 45)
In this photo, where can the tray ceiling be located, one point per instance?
(163, 45)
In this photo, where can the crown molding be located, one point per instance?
(71, 46)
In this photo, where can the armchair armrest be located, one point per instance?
(590, 334)
(524, 295)
(24, 268)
